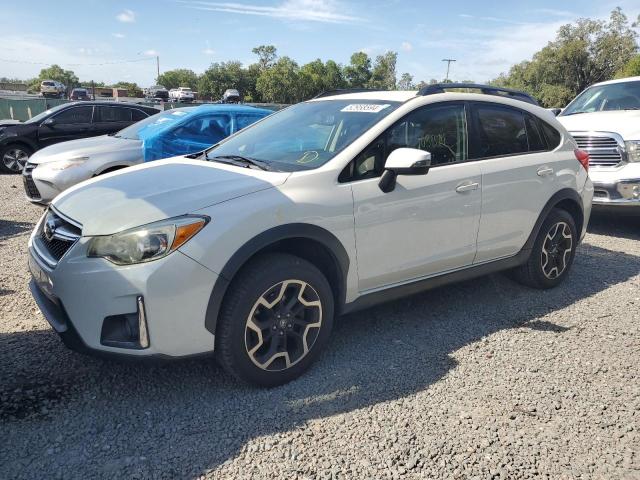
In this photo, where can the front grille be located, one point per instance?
(604, 151)
(55, 237)
(29, 185)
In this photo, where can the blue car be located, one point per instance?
(187, 130)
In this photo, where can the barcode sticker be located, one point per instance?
(364, 107)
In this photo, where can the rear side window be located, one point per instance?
(137, 115)
(245, 120)
(552, 135)
(113, 114)
(500, 131)
(75, 115)
(534, 134)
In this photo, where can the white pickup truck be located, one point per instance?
(181, 94)
(604, 120)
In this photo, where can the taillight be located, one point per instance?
(582, 157)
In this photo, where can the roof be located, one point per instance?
(394, 96)
(617, 80)
(230, 108)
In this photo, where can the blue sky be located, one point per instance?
(485, 37)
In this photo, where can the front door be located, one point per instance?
(70, 124)
(429, 223)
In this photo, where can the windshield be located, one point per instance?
(615, 96)
(306, 135)
(45, 114)
(132, 132)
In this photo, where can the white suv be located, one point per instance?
(605, 121)
(252, 247)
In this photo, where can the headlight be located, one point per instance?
(64, 164)
(148, 242)
(633, 150)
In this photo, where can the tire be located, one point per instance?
(552, 253)
(266, 335)
(13, 157)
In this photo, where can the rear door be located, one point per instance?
(519, 175)
(111, 119)
(69, 124)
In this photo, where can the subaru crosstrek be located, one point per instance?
(252, 247)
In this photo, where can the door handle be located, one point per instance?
(545, 171)
(467, 187)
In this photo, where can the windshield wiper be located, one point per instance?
(240, 161)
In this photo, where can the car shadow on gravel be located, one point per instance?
(10, 228)
(615, 226)
(106, 419)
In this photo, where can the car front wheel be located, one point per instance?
(275, 320)
(13, 158)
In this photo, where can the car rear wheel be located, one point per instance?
(552, 254)
(13, 158)
(275, 320)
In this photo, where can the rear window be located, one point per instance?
(113, 114)
(552, 135)
(501, 131)
(48, 84)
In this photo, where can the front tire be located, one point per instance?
(13, 158)
(552, 254)
(275, 320)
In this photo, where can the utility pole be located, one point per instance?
(448, 60)
(158, 67)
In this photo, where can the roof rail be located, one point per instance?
(486, 89)
(344, 91)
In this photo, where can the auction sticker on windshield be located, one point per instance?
(364, 107)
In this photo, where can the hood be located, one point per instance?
(158, 190)
(85, 147)
(624, 122)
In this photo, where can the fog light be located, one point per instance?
(629, 191)
(127, 330)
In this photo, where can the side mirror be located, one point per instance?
(49, 122)
(404, 161)
(556, 111)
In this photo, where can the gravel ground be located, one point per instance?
(478, 380)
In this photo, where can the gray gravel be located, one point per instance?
(478, 380)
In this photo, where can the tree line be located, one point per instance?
(582, 53)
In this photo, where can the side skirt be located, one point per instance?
(394, 293)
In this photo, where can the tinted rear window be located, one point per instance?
(552, 135)
(501, 131)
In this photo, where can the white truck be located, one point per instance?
(604, 120)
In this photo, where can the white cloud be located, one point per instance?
(326, 11)
(406, 46)
(150, 53)
(209, 51)
(126, 16)
(119, 35)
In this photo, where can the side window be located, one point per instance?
(113, 114)
(75, 115)
(440, 130)
(137, 115)
(245, 120)
(501, 131)
(534, 134)
(552, 135)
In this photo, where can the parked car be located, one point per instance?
(231, 95)
(52, 88)
(69, 121)
(322, 208)
(157, 92)
(605, 121)
(182, 94)
(174, 132)
(79, 94)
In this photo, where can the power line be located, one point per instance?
(8, 60)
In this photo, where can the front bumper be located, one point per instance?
(616, 187)
(42, 185)
(79, 294)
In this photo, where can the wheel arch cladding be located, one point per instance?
(315, 244)
(19, 142)
(565, 199)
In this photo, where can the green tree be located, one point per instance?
(55, 72)
(383, 75)
(582, 53)
(406, 82)
(281, 82)
(180, 77)
(267, 55)
(358, 72)
(316, 77)
(631, 69)
(222, 76)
